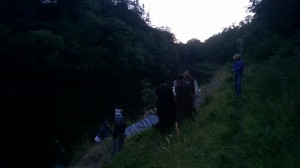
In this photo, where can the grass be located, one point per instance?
(259, 129)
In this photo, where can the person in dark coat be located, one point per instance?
(165, 106)
(190, 80)
(183, 99)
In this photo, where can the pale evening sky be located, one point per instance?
(198, 19)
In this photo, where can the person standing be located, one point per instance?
(119, 130)
(177, 81)
(190, 80)
(165, 106)
(183, 100)
(237, 68)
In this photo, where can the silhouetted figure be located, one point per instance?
(165, 106)
(190, 80)
(237, 68)
(183, 99)
(119, 130)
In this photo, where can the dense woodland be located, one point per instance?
(66, 63)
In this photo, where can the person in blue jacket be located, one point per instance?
(237, 68)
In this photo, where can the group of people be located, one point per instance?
(174, 104)
(178, 103)
(117, 132)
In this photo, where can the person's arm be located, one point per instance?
(232, 66)
(196, 86)
(109, 130)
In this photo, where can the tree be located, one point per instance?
(276, 15)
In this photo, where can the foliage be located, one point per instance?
(148, 95)
(276, 16)
(226, 44)
(71, 62)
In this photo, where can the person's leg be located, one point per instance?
(179, 113)
(120, 142)
(194, 104)
(161, 122)
(114, 146)
(235, 84)
(238, 84)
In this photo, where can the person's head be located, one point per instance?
(179, 77)
(106, 123)
(118, 108)
(236, 57)
(186, 74)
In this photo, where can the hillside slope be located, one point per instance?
(258, 129)
(98, 155)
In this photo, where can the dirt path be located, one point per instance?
(97, 156)
(205, 90)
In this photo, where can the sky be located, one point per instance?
(199, 19)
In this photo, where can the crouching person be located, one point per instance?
(103, 132)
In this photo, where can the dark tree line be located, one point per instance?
(65, 65)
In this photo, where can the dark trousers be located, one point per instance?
(238, 84)
(118, 144)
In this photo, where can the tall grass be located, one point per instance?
(259, 129)
(271, 124)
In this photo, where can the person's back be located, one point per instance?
(184, 100)
(104, 131)
(165, 105)
(189, 79)
(165, 96)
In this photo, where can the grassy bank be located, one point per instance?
(259, 129)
